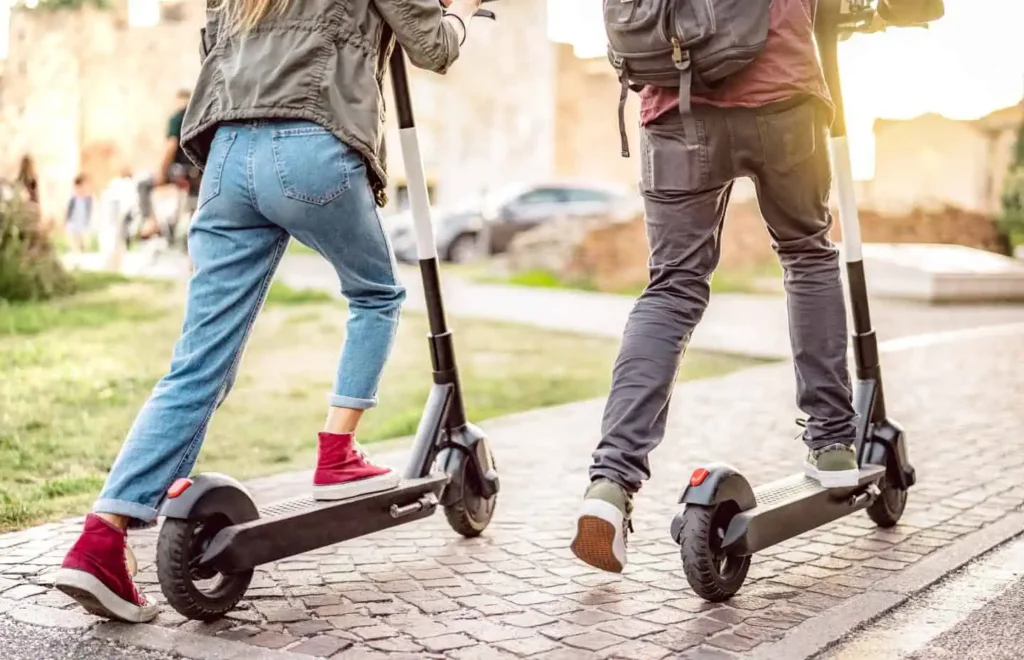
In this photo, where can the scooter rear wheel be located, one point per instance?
(887, 509)
(196, 592)
(713, 574)
(469, 514)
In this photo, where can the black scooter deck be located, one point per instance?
(793, 505)
(302, 524)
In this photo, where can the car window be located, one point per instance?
(541, 196)
(587, 195)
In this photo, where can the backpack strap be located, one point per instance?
(682, 62)
(624, 141)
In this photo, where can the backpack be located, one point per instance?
(687, 44)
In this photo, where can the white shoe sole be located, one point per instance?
(356, 488)
(599, 540)
(833, 478)
(97, 599)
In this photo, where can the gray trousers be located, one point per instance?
(688, 174)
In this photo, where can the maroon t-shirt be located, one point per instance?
(787, 66)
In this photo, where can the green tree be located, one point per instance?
(1013, 195)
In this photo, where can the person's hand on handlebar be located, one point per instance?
(462, 13)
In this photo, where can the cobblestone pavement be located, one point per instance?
(420, 591)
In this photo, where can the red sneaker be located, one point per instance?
(97, 572)
(343, 471)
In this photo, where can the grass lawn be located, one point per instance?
(725, 280)
(75, 372)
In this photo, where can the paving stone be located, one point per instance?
(486, 631)
(561, 629)
(376, 631)
(635, 650)
(592, 641)
(239, 633)
(557, 608)
(447, 642)
(732, 642)
(702, 626)
(675, 639)
(24, 591)
(757, 633)
(307, 628)
(206, 628)
(349, 621)
(285, 615)
(707, 653)
(248, 616)
(630, 628)
(481, 652)
(530, 619)
(529, 645)
(728, 615)
(395, 645)
(271, 640)
(666, 616)
(361, 653)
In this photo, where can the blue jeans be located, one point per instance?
(263, 183)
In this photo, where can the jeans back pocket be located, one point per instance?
(220, 147)
(311, 163)
(789, 137)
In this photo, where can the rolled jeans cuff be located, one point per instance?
(351, 402)
(141, 515)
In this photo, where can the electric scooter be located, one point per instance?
(214, 535)
(725, 521)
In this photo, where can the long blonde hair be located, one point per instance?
(242, 16)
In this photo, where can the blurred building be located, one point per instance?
(92, 90)
(934, 162)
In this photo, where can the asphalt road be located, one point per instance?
(972, 614)
(995, 632)
(19, 641)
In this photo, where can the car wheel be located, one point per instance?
(464, 249)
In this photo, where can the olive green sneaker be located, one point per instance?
(602, 526)
(834, 466)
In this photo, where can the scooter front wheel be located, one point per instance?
(197, 592)
(469, 513)
(887, 509)
(714, 574)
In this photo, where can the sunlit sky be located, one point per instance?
(964, 66)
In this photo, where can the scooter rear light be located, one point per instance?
(178, 487)
(698, 477)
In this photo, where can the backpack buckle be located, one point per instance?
(680, 56)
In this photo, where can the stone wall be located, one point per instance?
(83, 91)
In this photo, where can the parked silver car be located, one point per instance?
(486, 224)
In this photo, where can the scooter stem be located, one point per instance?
(865, 342)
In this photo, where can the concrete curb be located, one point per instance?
(819, 633)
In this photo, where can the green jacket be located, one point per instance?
(322, 61)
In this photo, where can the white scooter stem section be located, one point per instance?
(416, 182)
(849, 219)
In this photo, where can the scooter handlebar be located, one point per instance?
(483, 13)
(486, 13)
